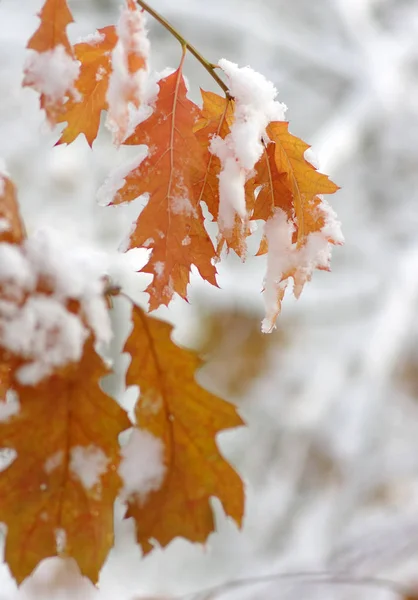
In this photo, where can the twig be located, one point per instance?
(210, 67)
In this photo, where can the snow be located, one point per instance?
(181, 205)
(159, 268)
(115, 181)
(52, 73)
(40, 328)
(142, 466)
(255, 107)
(4, 223)
(60, 540)
(54, 461)
(93, 39)
(88, 464)
(326, 58)
(127, 85)
(9, 407)
(285, 257)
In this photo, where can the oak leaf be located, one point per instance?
(187, 418)
(171, 225)
(216, 119)
(55, 16)
(290, 182)
(83, 116)
(52, 51)
(301, 224)
(57, 497)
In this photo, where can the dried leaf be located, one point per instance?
(289, 202)
(52, 52)
(83, 115)
(293, 184)
(55, 16)
(187, 419)
(63, 482)
(216, 118)
(171, 224)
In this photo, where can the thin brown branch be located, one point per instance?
(210, 68)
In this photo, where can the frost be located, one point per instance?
(101, 72)
(159, 268)
(181, 205)
(60, 540)
(54, 461)
(255, 107)
(127, 82)
(52, 73)
(88, 464)
(142, 466)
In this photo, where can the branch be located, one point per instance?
(210, 68)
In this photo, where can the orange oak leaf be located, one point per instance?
(12, 229)
(55, 16)
(187, 418)
(290, 182)
(83, 114)
(297, 219)
(57, 496)
(171, 224)
(216, 118)
(51, 68)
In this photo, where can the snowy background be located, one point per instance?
(330, 456)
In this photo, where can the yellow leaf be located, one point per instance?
(55, 16)
(63, 482)
(187, 419)
(171, 224)
(301, 179)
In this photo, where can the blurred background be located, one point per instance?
(330, 455)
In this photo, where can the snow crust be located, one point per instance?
(88, 464)
(52, 73)
(285, 257)
(142, 466)
(255, 107)
(54, 461)
(37, 281)
(9, 406)
(126, 86)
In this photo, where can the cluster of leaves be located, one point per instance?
(41, 496)
(48, 506)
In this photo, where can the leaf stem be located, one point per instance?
(210, 68)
